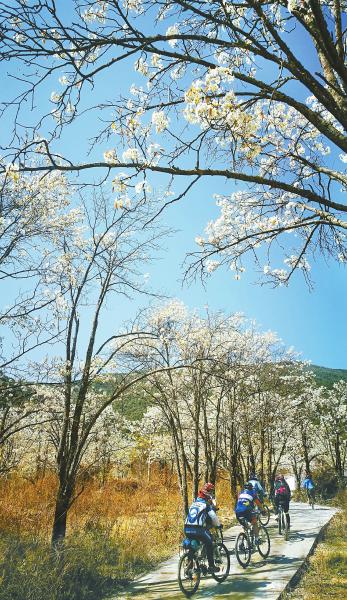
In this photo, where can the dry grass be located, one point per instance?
(326, 578)
(115, 531)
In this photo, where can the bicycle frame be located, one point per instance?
(197, 558)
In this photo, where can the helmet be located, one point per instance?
(253, 475)
(206, 490)
(248, 485)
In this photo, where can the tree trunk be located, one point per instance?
(60, 516)
(196, 447)
(305, 449)
(338, 461)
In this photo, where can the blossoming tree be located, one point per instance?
(222, 89)
(103, 261)
(34, 213)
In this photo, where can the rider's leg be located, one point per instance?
(208, 541)
(276, 503)
(255, 527)
(204, 536)
(286, 512)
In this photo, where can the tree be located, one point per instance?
(234, 94)
(34, 213)
(331, 407)
(104, 260)
(232, 405)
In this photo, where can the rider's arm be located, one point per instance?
(289, 490)
(214, 518)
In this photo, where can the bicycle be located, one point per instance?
(264, 516)
(245, 543)
(193, 563)
(282, 522)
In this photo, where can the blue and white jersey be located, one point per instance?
(245, 501)
(198, 513)
(258, 488)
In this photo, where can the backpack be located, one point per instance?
(282, 491)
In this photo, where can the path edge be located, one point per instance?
(298, 575)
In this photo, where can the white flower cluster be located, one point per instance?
(110, 156)
(131, 155)
(133, 5)
(142, 66)
(172, 30)
(96, 12)
(160, 121)
(245, 224)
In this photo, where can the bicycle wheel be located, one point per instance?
(188, 574)
(243, 549)
(264, 542)
(221, 560)
(264, 516)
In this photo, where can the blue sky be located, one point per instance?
(314, 322)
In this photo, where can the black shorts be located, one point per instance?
(245, 514)
(284, 501)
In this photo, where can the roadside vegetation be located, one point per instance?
(117, 530)
(326, 577)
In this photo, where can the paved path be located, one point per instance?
(262, 580)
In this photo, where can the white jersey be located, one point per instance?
(257, 488)
(198, 513)
(246, 496)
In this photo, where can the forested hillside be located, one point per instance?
(326, 376)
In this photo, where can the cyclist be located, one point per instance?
(253, 479)
(309, 486)
(245, 507)
(201, 515)
(282, 495)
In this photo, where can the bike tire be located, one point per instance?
(223, 551)
(264, 518)
(279, 514)
(189, 574)
(243, 549)
(265, 546)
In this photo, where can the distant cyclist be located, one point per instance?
(201, 516)
(257, 487)
(282, 495)
(246, 505)
(309, 486)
